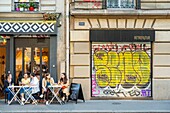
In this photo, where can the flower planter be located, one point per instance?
(17, 9)
(25, 9)
(21, 9)
(31, 8)
(35, 9)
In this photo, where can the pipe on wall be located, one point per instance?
(67, 39)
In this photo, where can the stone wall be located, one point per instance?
(80, 49)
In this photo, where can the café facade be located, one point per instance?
(28, 46)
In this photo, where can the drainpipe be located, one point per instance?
(67, 40)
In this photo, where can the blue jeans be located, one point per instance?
(23, 89)
(10, 95)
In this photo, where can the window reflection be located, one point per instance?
(36, 62)
(120, 3)
(31, 59)
(18, 66)
(45, 59)
(27, 60)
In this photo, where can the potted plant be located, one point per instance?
(31, 8)
(21, 7)
(35, 7)
(17, 7)
(26, 7)
(46, 16)
(49, 16)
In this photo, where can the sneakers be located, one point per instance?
(23, 99)
(34, 102)
(15, 99)
(41, 96)
(8, 102)
(47, 103)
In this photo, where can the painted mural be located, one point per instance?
(121, 69)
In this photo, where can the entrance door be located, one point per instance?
(32, 60)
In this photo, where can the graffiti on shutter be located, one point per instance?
(121, 69)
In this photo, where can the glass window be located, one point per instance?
(18, 67)
(36, 62)
(27, 60)
(26, 5)
(45, 60)
(120, 3)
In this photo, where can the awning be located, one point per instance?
(28, 27)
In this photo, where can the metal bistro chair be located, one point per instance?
(6, 95)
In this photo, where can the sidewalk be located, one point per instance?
(92, 106)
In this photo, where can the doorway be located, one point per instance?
(2, 68)
(2, 63)
(31, 56)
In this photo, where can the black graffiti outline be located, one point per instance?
(134, 92)
(113, 92)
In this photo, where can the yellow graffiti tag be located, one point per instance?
(113, 59)
(130, 76)
(141, 64)
(115, 77)
(126, 67)
(108, 76)
(103, 76)
(100, 58)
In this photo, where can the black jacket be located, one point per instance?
(6, 83)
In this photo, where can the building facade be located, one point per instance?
(32, 37)
(119, 48)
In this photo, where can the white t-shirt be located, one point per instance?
(35, 82)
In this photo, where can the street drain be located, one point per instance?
(116, 103)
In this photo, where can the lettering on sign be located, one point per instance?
(142, 37)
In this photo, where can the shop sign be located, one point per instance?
(122, 35)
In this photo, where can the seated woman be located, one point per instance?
(34, 82)
(24, 82)
(47, 81)
(63, 81)
(8, 82)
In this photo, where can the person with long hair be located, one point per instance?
(46, 82)
(24, 82)
(64, 82)
(8, 82)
